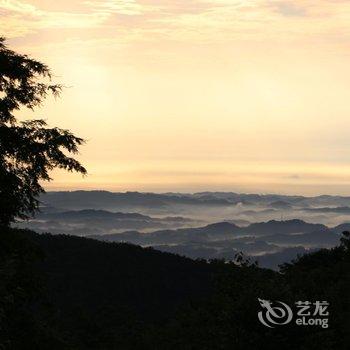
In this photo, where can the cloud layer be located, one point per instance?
(181, 20)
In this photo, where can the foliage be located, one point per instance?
(29, 150)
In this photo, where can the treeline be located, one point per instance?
(63, 292)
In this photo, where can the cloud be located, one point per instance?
(289, 9)
(124, 7)
(19, 18)
(200, 21)
(17, 7)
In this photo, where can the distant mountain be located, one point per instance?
(257, 213)
(342, 227)
(337, 210)
(197, 244)
(224, 239)
(219, 228)
(324, 238)
(110, 200)
(213, 231)
(282, 227)
(91, 214)
(218, 249)
(124, 200)
(239, 222)
(253, 198)
(92, 221)
(216, 231)
(280, 205)
(273, 260)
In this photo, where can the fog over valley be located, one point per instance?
(270, 229)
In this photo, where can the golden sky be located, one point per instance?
(192, 95)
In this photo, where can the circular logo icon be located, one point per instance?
(277, 313)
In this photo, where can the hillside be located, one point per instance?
(64, 292)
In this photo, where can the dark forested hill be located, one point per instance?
(64, 292)
(101, 287)
(148, 282)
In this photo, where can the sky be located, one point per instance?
(196, 95)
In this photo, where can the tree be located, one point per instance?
(29, 150)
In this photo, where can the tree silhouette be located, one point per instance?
(28, 150)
